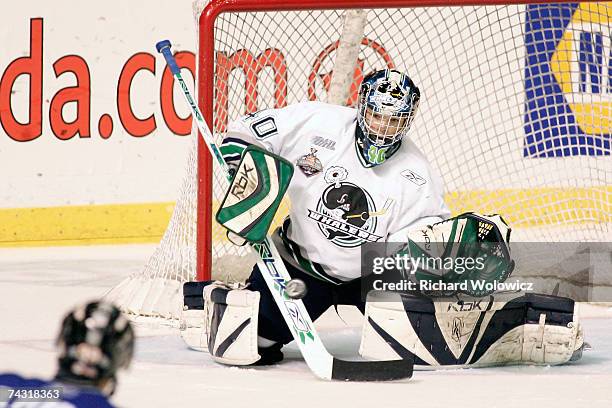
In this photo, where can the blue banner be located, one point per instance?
(568, 80)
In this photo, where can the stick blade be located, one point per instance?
(372, 370)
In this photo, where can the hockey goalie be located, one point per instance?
(354, 177)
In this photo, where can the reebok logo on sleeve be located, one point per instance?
(412, 176)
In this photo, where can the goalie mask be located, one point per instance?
(388, 101)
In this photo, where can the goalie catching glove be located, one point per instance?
(460, 255)
(255, 193)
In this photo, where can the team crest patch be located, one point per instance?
(412, 176)
(310, 163)
(346, 213)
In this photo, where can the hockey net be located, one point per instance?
(515, 112)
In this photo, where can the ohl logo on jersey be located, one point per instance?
(568, 80)
(344, 211)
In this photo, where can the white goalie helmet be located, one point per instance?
(388, 102)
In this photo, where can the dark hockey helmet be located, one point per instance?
(387, 104)
(94, 342)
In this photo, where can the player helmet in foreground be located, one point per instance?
(94, 342)
(387, 104)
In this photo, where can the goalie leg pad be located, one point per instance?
(530, 329)
(192, 321)
(221, 320)
(231, 324)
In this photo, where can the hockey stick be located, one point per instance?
(320, 361)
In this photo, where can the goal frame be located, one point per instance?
(206, 73)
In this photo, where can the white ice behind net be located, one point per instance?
(470, 64)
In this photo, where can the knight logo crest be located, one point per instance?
(310, 163)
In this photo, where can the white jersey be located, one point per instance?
(338, 203)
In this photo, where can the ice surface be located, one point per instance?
(38, 285)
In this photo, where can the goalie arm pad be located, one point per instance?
(255, 194)
(531, 329)
(464, 249)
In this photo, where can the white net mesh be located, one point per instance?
(156, 290)
(514, 114)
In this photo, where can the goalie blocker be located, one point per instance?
(255, 193)
(491, 331)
